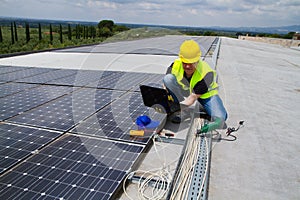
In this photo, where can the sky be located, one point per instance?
(195, 13)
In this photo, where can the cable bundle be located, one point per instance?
(153, 184)
(183, 178)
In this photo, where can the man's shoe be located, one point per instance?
(180, 117)
(176, 119)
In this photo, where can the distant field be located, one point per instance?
(139, 33)
(6, 47)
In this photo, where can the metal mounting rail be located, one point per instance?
(192, 172)
(199, 183)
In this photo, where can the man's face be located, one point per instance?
(189, 68)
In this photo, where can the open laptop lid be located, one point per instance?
(157, 98)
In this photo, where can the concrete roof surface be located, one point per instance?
(260, 83)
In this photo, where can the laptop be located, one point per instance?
(159, 99)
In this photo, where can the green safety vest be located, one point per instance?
(201, 70)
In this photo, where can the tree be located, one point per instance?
(69, 32)
(238, 34)
(106, 23)
(51, 34)
(1, 37)
(93, 31)
(209, 33)
(60, 33)
(105, 32)
(120, 28)
(40, 32)
(84, 35)
(77, 32)
(27, 32)
(290, 35)
(12, 34)
(16, 33)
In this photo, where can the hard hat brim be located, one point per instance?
(191, 60)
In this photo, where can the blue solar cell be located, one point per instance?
(49, 76)
(17, 142)
(154, 80)
(81, 78)
(107, 79)
(120, 81)
(65, 112)
(27, 72)
(28, 99)
(73, 167)
(11, 88)
(8, 69)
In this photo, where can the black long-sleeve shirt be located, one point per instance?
(201, 87)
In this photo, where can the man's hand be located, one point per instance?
(190, 100)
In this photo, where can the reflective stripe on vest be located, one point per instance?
(201, 70)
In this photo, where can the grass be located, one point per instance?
(140, 33)
(6, 47)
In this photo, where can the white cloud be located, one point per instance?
(176, 12)
(193, 11)
(149, 6)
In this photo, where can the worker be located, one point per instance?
(189, 79)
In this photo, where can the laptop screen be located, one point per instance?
(155, 97)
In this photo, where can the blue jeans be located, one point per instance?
(213, 106)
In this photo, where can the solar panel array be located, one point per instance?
(65, 133)
(74, 167)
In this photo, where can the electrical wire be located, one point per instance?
(160, 176)
(189, 161)
(154, 184)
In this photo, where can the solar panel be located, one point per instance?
(116, 121)
(73, 167)
(27, 72)
(8, 69)
(107, 78)
(11, 88)
(17, 142)
(28, 99)
(124, 81)
(46, 77)
(81, 78)
(65, 112)
(154, 80)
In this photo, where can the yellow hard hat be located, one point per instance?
(189, 51)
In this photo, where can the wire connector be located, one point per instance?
(233, 129)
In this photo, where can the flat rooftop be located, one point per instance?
(259, 83)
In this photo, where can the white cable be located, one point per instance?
(161, 175)
(190, 158)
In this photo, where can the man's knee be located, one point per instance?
(169, 79)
